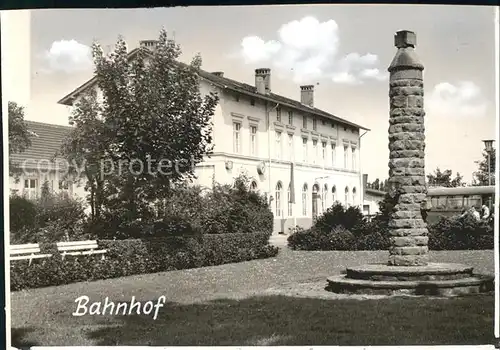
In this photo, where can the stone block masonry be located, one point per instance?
(406, 158)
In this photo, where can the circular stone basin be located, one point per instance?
(430, 272)
(464, 286)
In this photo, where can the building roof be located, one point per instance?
(460, 191)
(375, 192)
(232, 85)
(46, 140)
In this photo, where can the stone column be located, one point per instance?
(409, 235)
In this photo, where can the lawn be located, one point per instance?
(277, 301)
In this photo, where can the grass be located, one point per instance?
(259, 302)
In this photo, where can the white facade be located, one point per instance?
(262, 139)
(247, 138)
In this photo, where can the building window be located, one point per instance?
(253, 186)
(323, 197)
(304, 122)
(334, 155)
(304, 150)
(252, 102)
(353, 165)
(333, 125)
(304, 200)
(346, 199)
(323, 122)
(315, 151)
(323, 151)
(278, 114)
(290, 118)
(315, 124)
(236, 98)
(236, 137)
(289, 200)
(366, 209)
(334, 190)
(278, 144)
(290, 147)
(253, 140)
(354, 196)
(278, 199)
(31, 188)
(345, 156)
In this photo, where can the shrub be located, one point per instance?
(339, 238)
(223, 209)
(455, 233)
(338, 215)
(139, 256)
(66, 211)
(22, 213)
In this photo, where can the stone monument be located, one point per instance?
(408, 270)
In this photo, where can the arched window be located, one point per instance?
(323, 197)
(334, 189)
(346, 199)
(279, 188)
(315, 200)
(253, 186)
(354, 196)
(304, 200)
(289, 200)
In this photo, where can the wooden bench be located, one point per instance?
(79, 248)
(26, 251)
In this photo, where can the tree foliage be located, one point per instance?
(481, 176)
(148, 132)
(444, 179)
(19, 135)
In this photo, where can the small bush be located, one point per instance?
(339, 238)
(455, 233)
(140, 256)
(338, 215)
(66, 211)
(22, 213)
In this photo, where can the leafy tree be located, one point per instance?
(150, 130)
(85, 149)
(444, 179)
(375, 184)
(19, 135)
(481, 176)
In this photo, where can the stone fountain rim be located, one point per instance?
(430, 268)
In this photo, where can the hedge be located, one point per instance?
(447, 234)
(140, 256)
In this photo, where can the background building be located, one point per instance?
(291, 151)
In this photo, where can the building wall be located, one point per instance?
(228, 162)
(18, 186)
(371, 202)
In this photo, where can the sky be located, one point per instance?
(343, 50)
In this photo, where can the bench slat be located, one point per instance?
(24, 251)
(63, 249)
(28, 257)
(21, 246)
(64, 244)
(89, 252)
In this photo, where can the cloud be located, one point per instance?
(68, 56)
(461, 100)
(308, 49)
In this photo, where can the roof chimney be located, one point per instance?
(263, 80)
(218, 74)
(148, 44)
(307, 95)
